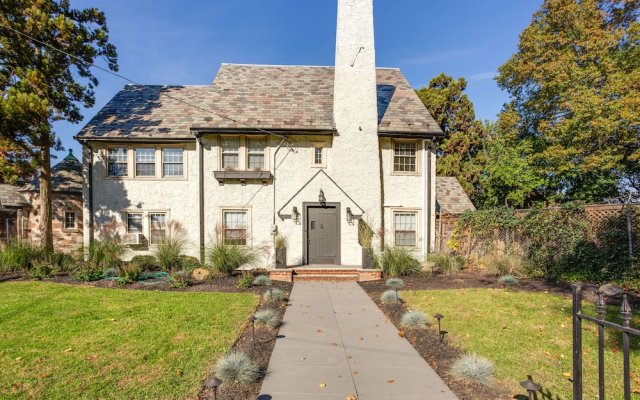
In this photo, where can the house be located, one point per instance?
(451, 202)
(12, 210)
(66, 206)
(310, 154)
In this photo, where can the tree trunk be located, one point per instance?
(46, 227)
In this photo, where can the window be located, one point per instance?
(145, 162)
(404, 156)
(157, 227)
(172, 162)
(70, 220)
(234, 225)
(255, 154)
(230, 152)
(404, 224)
(117, 161)
(317, 155)
(134, 223)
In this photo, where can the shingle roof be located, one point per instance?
(66, 176)
(11, 197)
(266, 97)
(451, 197)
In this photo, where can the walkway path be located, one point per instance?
(338, 345)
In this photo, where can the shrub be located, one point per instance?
(189, 263)
(395, 283)
(398, 261)
(414, 320)
(273, 295)
(509, 280)
(89, 271)
(110, 273)
(40, 270)
(471, 366)
(171, 246)
(180, 279)
(146, 262)
(503, 264)
(106, 252)
(390, 297)
(129, 272)
(237, 369)
(62, 262)
(244, 281)
(19, 255)
(446, 263)
(268, 318)
(262, 280)
(226, 258)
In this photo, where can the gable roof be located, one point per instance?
(66, 176)
(278, 98)
(451, 197)
(11, 197)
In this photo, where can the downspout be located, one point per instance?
(382, 221)
(275, 167)
(90, 194)
(429, 205)
(201, 195)
(424, 198)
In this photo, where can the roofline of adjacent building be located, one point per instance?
(296, 66)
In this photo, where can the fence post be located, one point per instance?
(601, 309)
(625, 315)
(577, 341)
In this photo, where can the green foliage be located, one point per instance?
(146, 262)
(236, 369)
(89, 271)
(20, 255)
(509, 280)
(447, 264)
(62, 262)
(41, 270)
(226, 258)
(129, 272)
(244, 281)
(106, 252)
(398, 261)
(390, 297)
(473, 367)
(395, 283)
(503, 264)
(171, 247)
(262, 280)
(414, 320)
(180, 278)
(267, 317)
(281, 242)
(273, 294)
(189, 263)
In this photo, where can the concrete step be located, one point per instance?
(327, 277)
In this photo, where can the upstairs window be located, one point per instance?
(172, 162)
(255, 154)
(230, 153)
(145, 162)
(117, 161)
(234, 225)
(404, 156)
(157, 227)
(405, 225)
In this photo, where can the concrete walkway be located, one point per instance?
(337, 344)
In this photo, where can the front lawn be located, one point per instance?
(526, 333)
(66, 342)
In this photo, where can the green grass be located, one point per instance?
(69, 342)
(526, 333)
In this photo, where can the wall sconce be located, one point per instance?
(321, 198)
(296, 215)
(349, 215)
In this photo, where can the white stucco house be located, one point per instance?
(301, 151)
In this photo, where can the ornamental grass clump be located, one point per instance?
(446, 263)
(509, 281)
(226, 258)
(395, 283)
(262, 280)
(20, 255)
(472, 367)
(129, 272)
(267, 318)
(398, 261)
(390, 297)
(171, 246)
(273, 295)
(503, 264)
(414, 320)
(236, 369)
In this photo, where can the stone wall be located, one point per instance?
(64, 240)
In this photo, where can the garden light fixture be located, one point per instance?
(253, 320)
(213, 383)
(440, 331)
(531, 387)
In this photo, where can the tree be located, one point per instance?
(16, 167)
(41, 85)
(575, 86)
(453, 111)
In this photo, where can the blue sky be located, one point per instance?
(184, 42)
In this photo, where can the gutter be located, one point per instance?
(429, 195)
(200, 194)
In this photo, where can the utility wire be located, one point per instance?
(140, 84)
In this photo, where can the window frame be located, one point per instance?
(247, 212)
(249, 153)
(75, 221)
(406, 211)
(129, 214)
(237, 153)
(417, 157)
(150, 223)
(183, 163)
(323, 148)
(108, 157)
(136, 162)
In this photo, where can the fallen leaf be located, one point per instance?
(179, 373)
(323, 385)
(69, 350)
(566, 374)
(390, 381)
(351, 397)
(18, 358)
(355, 372)
(303, 358)
(401, 333)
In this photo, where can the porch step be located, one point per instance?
(326, 277)
(325, 274)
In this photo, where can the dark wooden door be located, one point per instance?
(323, 235)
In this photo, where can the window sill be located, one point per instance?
(242, 176)
(394, 173)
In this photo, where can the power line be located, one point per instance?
(140, 84)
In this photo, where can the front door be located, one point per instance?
(323, 235)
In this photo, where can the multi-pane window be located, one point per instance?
(117, 161)
(145, 162)
(404, 156)
(230, 152)
(234, 224)
(134, 223)
(70, 220)
(404, 224)
(157, 227)
(317, 156)
(255, 153)
(172, 162)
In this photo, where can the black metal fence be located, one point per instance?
(625, 330)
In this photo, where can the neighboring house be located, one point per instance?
(13, 208)
(299, 151)
(66, 206)
(451, 201)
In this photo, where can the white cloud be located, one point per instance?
(482, 76)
